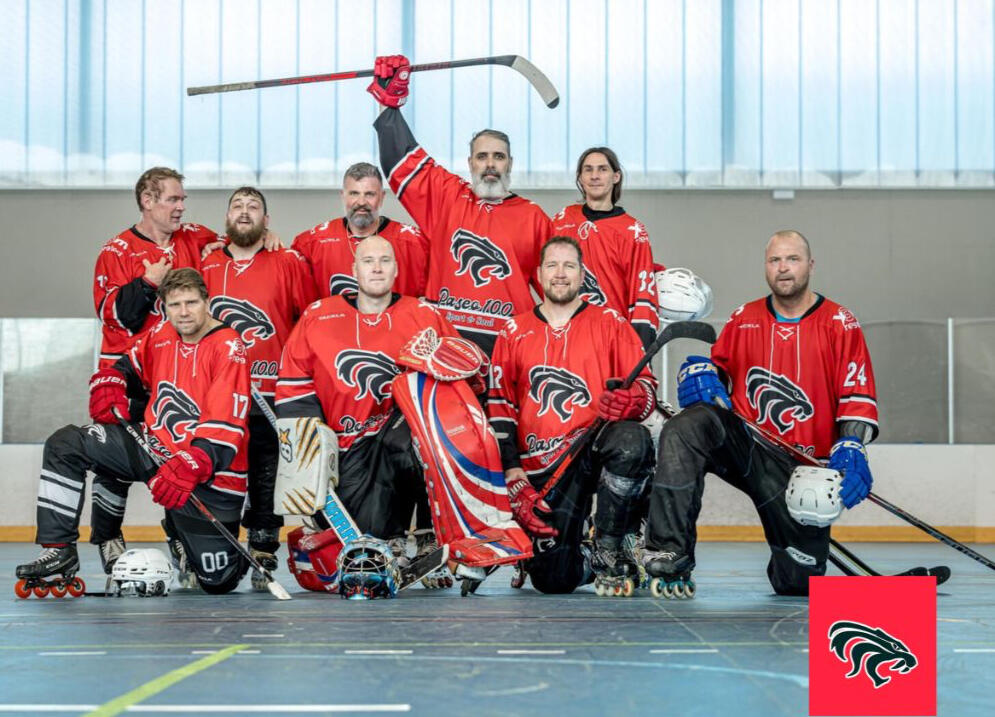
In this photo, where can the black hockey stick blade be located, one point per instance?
(940, 572)
(423, 566)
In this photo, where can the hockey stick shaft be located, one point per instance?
(677, 330)
(274, 587)
(874, 498)
(535, 77)
(334, 514)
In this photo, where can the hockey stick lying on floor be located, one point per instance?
(279, 592)
(874, 498)
(518, 63)
(850, 564)
(677, 330)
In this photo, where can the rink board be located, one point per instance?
(736, 646)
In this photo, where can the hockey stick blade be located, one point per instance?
(423, 566)
(278, 591)
(530, 72)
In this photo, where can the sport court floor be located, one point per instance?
(734, 649)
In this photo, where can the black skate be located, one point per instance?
(615, 570)
(425, 544)
(110, 551)
(259, 540)
(53, 571)
(669, 576)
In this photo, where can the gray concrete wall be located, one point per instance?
(885, 254)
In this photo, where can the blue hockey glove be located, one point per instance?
(849, 458)
(698, 381)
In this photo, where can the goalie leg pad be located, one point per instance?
(313, 559)
(463, 472)
(813, 495)
(309, 463)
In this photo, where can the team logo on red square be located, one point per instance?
(872, 646)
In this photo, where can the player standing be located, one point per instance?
(798, 366)
(195, 370)
(260, 294)
(330, 247)
(484, 240)
(548, 374)
(618, 259)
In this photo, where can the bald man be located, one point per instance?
(796, 364)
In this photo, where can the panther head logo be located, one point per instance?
(286, 450)
(369, 372)
(867, 649)
(590, 290)
(479, 256)
(777, 399)
(246, 318)
(174, 410)
(557, 389)
(342, 284)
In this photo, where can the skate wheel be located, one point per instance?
(22, 590)
(628, 588)
(599, 588)
(77, 587)
(657, 587)
(678, 590)
(617, 590)
(41, 591)
(689, 590)
(59, 590)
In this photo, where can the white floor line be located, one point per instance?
(202, 709)
(248, 652)
(974, 649)
(261, 634)
(378, 652)
(203, 652)
(69, 653)
(531, 652)
(684, 651)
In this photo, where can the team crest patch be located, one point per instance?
(777, 399)
(370, 373)
(479, 257)
(872, 645)
(590, 290)
(174, 410)
(558, 390)
(342, 284)
(251, 322)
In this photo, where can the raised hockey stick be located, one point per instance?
(278, 591)
(852, 565)
(530, 72)
(334, 515)
(874, 498)
(677, 330)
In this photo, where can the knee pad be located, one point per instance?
(625, 487)
(629, 449)
(229, 580)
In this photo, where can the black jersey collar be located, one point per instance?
(593, 215)
(818, 302)
(535, 310)
(351, 299)
(384, 221)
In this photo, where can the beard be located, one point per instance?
(790, 291)
(362, 220)
(244, 237)
(561, 295)
(491, 190)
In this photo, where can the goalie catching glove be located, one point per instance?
(446, 358)
(525, 501)
(391, 74)
(108, 390)
(175, 480)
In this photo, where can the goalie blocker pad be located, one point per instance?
(813, 495)
(312, 558)
(463, 472)
(309, 462)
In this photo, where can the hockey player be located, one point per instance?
(618, 260)
(330, 247)
(797, 365)
(484, 240)
(338, 365)
(261, 295)
(195, 370)
(548, 377)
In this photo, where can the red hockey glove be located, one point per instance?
(390, 80)
(177, 477)
(107, 392)
(524, 504)
(626, 404)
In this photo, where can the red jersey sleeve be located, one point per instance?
(295, 390)
(223, 415)
(643, 301)
(627, 351)
(854, 374)
(502, 405)
(304, 292)
(121, 299)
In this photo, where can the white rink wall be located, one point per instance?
(943, 485)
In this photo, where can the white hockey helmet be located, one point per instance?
(683, 296)
(146, 570)
(813, 495)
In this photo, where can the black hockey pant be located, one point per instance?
(109, 451)
(616, 467)
(708, 439)
(381, 481)
(264, 452)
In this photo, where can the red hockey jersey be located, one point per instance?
(799, 380)
(331, 251)
(197, 392)
(618, 263)
(126, 304)
(261, 298)
(483, 255)
(545, 383)
(338, 363)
